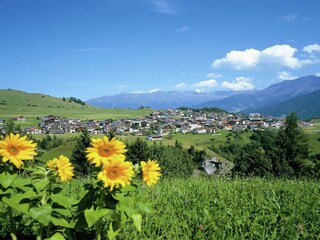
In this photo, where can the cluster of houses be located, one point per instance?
(157, 124)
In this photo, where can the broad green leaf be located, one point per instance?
(15, 203)
(62, 200)
(41, 214)
(92, 216)
(23, 184)
(6, 179)
(137, 221)
(111, 233)
(63, 212)
(60, 222)
(146, 207)
(41, 185)
(57, 236)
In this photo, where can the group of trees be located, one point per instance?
(76, 100)
(281, 153)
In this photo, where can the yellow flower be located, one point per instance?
(16, 149)
(103, 150)
(150, 172)
(52, 164)
(116, 172)
(63, 167)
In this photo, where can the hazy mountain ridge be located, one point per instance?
(158, 100)
(306, 106)
(274, 94)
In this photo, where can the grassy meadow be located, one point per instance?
(15, 103)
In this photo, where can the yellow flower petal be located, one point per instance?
(16, 149)
(103, 150)
(116, 172)
(150, 171)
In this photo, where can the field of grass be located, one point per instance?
(231, 209)
(15, 103)
(222, 208)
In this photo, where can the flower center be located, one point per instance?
(105, 152)
(113, 173)
(13, 151)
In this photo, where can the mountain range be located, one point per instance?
(301, 95)
(158, 99)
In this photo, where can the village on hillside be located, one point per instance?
(157, 124)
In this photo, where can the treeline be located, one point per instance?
(76, 100)
(281, 153)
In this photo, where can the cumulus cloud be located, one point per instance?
(206, 84)
(277, 55)
(312, 48)
(286, 76)
(240, 84)
(181, 85)
(137, 92)
(154, 90)
(199, 90)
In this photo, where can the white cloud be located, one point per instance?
(213, 75)
(240, 84)
(311, 48)
(122, 86)
(137, 92)
(239, 59)
(289, 18)
(277, 55)
(181, 85)
(154, 90)
(207, 83)
(286, 76)
(163, 6)
(317, 74)
(182, 29)
(199, 90)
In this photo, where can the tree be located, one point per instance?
(138, 151)
(292, 143)
(78, 157)
(251, 161)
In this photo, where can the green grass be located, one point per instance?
(15, 103)
(65, 150)
(231, 209)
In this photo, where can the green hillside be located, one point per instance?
(306, 106)
(32, 105)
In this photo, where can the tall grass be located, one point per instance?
(231, 209)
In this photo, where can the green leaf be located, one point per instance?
(64, 201)
(137, 221)
(111, 233)
(146, 207)
(57, 236)
(41, 185)
(63, 212)
(22, 184)
(92, 216)
(41, 214)
(15, 202)
(60, 222)
(6, 179)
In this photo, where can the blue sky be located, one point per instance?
(91, 48)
